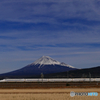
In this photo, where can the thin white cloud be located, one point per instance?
(31, 38)
(34, 11)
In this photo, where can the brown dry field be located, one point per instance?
(47, 91)
(33, 85)
(47, 94)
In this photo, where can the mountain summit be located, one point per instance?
(46, 60)
(45, 65)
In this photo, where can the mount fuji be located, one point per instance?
(45, 65)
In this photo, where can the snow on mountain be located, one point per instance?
(63, 64)
(46, 60)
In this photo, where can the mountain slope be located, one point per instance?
(45, 65)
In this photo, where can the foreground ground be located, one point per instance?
(33, 85)
(47, 94)
(47, 91)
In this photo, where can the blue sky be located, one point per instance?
(65, 30)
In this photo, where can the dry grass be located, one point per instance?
(46, 94)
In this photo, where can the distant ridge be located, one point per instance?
(93, 72)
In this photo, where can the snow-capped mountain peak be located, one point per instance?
(46, 60)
